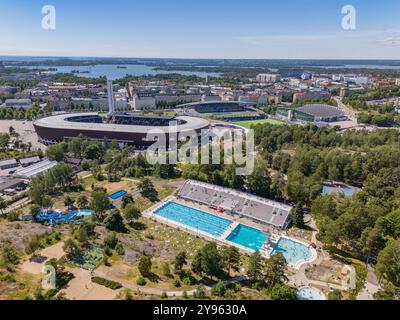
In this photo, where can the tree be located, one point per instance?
(211, 260)
(33, 245)
(4, 140)
(144, 265)
(99, 201)
(92, 151)
(82, 202)
(114, 221)
(47, 201)
(71, 248)
(298, 215)
(231, 257)
(283, 292)
(147, 189)
(196, 264)
(69, 202)
(126, 199)
(111, 241)
(56, 152)
(259, 181)
(388, 264)
(254, 267)
(131, 213)
(275, 269)
(9, 256)
(180, 260)
(335, 295)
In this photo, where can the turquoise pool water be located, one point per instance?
(309, 293)
(194, 218)
(247, 237)
(293, 251)
(118, 194)
(347, 191)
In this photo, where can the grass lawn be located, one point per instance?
(163, 191)
(249, 123)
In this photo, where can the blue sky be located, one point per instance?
(284, 29)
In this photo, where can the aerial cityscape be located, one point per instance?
(256, 163)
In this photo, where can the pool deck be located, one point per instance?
(150, 213)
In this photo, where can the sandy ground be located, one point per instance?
(82, 288)
(56, 251)
(25, 129)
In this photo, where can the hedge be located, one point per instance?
(107, 283)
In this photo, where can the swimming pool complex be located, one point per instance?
(309, 293)
(248, 237)
(118, 194)
(294, 252)
(194, 218)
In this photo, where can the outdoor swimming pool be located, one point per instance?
(338, 189)
(118, 194)
(294, 252)
(58, 216)
(309, 293)
(194, 218)
(247, 237)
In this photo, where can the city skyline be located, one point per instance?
(304, 29)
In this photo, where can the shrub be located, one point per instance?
(200, 293)
(219, 289)
(144, 265)
(177, 283)
(165, 269)
(163, 295)
(141, 281)
(119, 248)
(107, 283)
(190, 280)
(13, 216)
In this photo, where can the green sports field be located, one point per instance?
(249, 123)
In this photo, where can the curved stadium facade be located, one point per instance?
(124, 128)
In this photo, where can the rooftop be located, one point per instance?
(245, 204)
(33, 170)
(61, 121)
(321, 110)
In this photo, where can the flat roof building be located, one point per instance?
(236, 202)
(35, 169)
(8, 164)
(313, 113)
(28, 161)
(18, 103)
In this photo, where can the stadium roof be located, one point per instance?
(61, 122)
(321, 110)
(245, 204)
